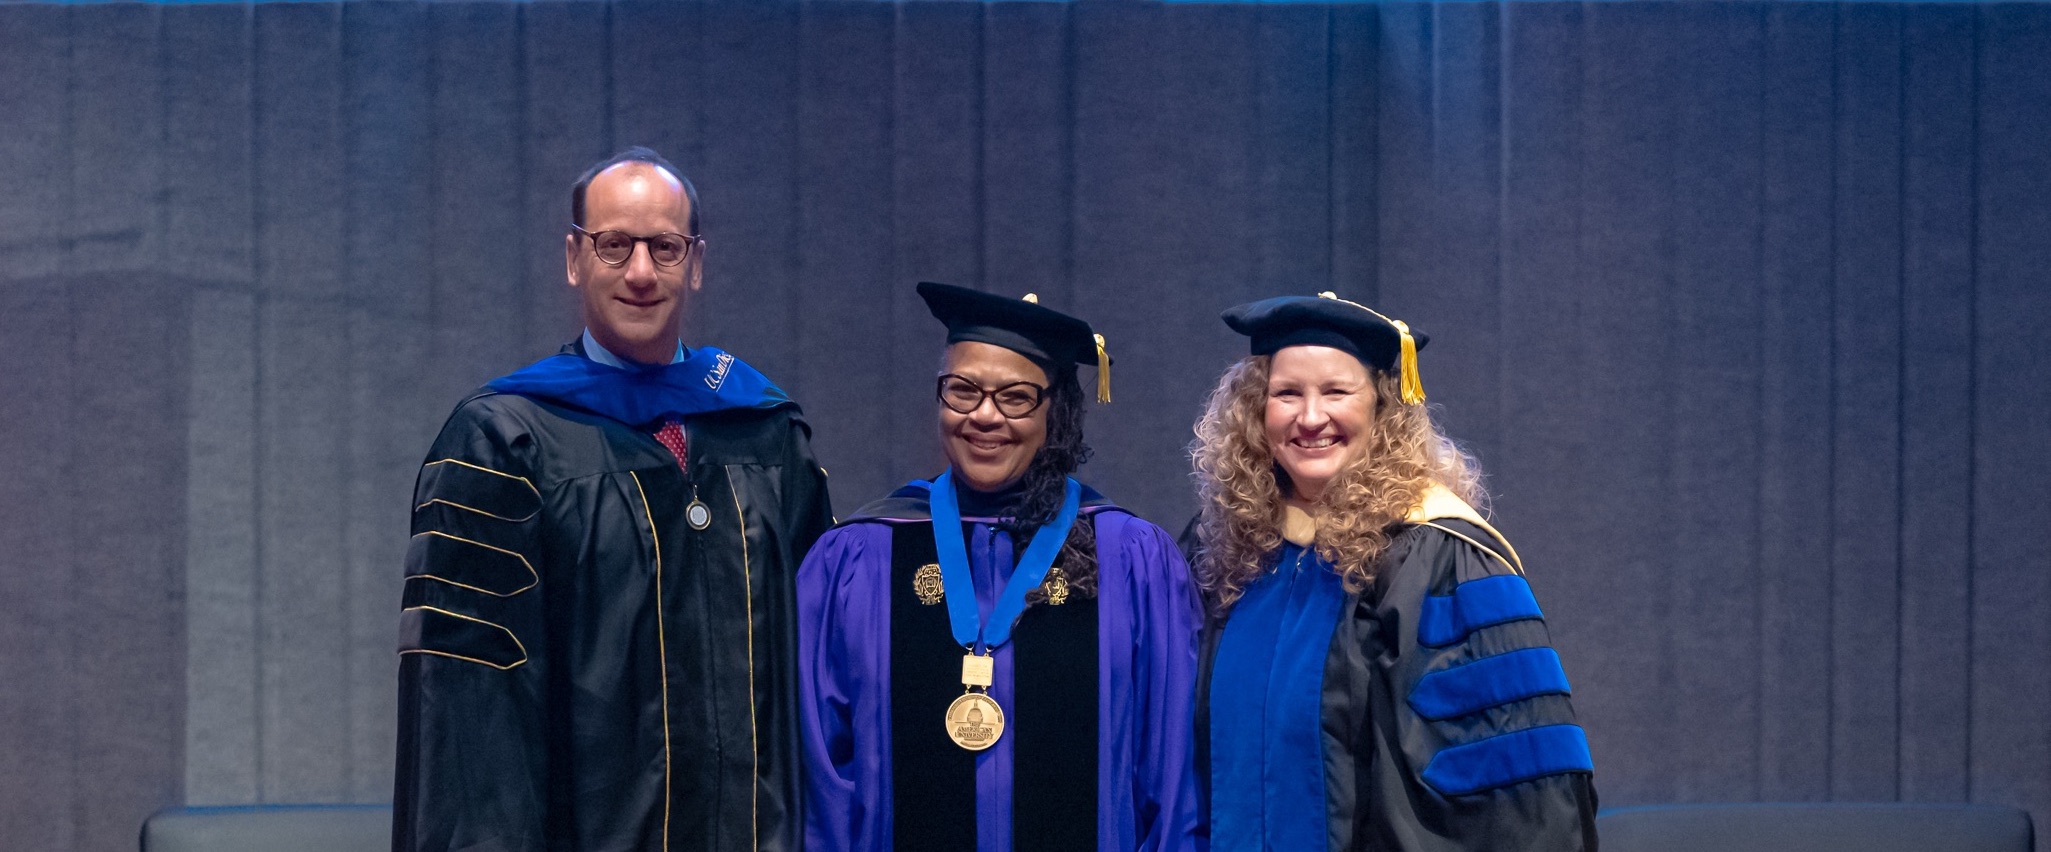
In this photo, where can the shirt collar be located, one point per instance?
(602, 355)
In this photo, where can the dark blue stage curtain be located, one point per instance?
(1742, 304)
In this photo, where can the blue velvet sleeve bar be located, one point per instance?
(1489, 682)
(1506, 759)
(1486, 602)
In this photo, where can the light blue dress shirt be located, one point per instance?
(604, 356)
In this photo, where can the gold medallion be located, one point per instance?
(1055, 587)
(974, 721)
(926, 584)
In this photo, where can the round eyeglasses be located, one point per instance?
(1015, 400)
(615, 247)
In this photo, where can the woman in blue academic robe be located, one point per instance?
(1377, 675)
(1001, 658)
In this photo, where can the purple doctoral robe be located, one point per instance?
(1148, 617)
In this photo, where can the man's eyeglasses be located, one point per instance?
(614, 247)
(1014, 400)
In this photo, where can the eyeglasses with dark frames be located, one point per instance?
(1016, 400)
(615, 247)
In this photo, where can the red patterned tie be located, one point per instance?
(672, 436)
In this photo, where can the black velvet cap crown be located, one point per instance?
(1327, 320)
(1049, 337)
(1020, 325)
(1286, 321)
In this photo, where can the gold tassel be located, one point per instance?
(1413, 384)
(1103, 372)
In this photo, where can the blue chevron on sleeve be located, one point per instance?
(1447, 619)
(1511, 758)
(1489, 682)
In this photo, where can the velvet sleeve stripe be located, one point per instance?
(1475, 604)
(442, 633)
(490, 493)
(1511, 758)
(469, 564)
(1489, 682)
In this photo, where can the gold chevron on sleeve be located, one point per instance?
(474, 488)
(441, 633)
(469, 564)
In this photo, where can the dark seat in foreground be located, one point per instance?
(270, 828)
(1806, 827)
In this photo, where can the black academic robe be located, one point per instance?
(581, 669)
(1383, 791)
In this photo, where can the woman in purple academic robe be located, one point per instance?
(1000, 659)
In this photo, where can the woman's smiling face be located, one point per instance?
(987, 450)
(1320, 410)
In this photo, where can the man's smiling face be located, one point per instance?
(636, 309)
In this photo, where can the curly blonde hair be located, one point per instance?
(1241, 487)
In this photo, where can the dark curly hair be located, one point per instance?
(1045, 483)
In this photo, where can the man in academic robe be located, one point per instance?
(1001, 658)
(597, 633)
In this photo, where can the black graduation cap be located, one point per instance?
(1047, 336)
(1328, 320)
